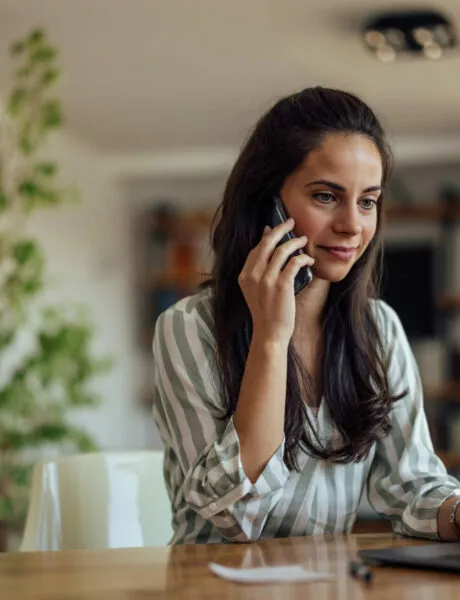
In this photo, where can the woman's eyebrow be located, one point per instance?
(340, 188)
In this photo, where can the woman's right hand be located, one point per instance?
(268, 288)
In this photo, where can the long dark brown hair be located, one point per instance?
(354, 374)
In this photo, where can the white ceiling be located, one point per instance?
(155, 75)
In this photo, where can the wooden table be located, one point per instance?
(181, 573)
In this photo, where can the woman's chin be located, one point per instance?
(332, 275)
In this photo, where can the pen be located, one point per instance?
(361, 571)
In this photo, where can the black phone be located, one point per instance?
(277, 216)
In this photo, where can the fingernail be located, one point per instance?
(266, 228)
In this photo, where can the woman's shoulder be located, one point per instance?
(382, 310)
(197, 306)
(190, 316)
(387, 320)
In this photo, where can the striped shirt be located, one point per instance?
(214, 501)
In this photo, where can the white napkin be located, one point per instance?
(271, 574)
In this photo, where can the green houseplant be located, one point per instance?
(46, 365)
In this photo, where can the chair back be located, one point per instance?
(98, 500)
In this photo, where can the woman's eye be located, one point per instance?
(368, 203)
(324, 197)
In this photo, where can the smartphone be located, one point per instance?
(277, 216)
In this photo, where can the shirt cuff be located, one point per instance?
(272, 478)
(423, 521)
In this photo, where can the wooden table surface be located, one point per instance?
(181, 572)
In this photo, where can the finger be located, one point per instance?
(258, 257)
(267, 245)
(282, 254)
(294, 265)
(283, 227)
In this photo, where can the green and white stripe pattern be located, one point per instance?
(212, 499)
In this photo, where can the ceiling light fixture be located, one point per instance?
(425, 33)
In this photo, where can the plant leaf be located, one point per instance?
(52, 114)
(17, 48)
(36, 36)
(4, 201)
(50, 76)
(17, 99)
(47, 169)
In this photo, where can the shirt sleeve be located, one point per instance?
(407, 482)
(194, 428)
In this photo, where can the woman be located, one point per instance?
(276, 410)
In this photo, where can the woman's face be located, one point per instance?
(333, 199)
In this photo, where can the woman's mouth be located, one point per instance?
(344, 253)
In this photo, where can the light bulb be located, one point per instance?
(422, 36)
(442, 35)
(385, 53)
(374, 38)
(395, 37)
(432, 51)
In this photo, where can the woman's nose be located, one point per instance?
(349, 221)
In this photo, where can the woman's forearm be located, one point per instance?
(446, 531)
(259, 416)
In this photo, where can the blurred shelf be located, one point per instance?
(422, 212)
(449, 392)
(181, 281)
(450, 459)
(449, 302)
(181, 223)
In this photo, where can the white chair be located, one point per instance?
(99, 500)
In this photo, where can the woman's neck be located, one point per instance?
(309, 305)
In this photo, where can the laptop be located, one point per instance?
(439, 556)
